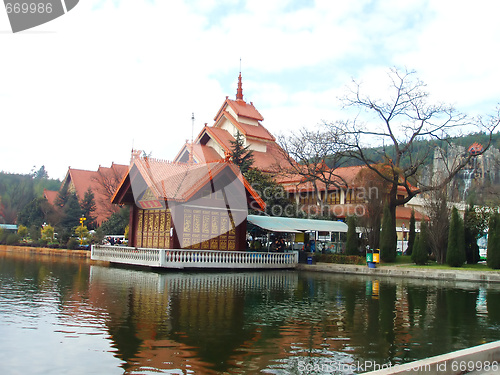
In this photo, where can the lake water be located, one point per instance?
(60, 316)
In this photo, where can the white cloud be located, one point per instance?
(82, 89)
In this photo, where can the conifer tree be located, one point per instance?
(88, 207)
(351, 246)
(72, 212)
(493, 256)
(62, 196)
(420, 253)
(240, 155)
(455, 253)
(411, 234)
(388, 239)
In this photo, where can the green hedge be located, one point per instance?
(339, 259)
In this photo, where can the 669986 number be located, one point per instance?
(28, 8)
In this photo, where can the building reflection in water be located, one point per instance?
(245, 322)
(107, 320)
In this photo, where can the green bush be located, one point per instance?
(339, 259)
(12, 239)
(388, 238)
(455, 253)
(493, 255)
(351, 246)
(420, 253)
(72, 243)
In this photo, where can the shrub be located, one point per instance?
(351, 246)
(12, 239)
(72, 243)
(35, 233)
(420, 254)
(455, 253)
(388, 239)
(411, 234)
(493, 255)
(339, 259)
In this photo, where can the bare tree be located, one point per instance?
(376, 190)
(314, 156)
(108, 180)
(401, 121)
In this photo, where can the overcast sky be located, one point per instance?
(110, 75)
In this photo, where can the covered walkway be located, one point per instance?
(294, 225)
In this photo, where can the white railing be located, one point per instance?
(173, 258)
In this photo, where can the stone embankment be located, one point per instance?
(46, 251)
(401, 271)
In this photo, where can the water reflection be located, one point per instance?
(69, 316)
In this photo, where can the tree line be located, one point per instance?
(22, 202)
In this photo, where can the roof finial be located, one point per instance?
(191, 146)
(239, 92)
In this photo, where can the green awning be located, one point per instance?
(293, 225)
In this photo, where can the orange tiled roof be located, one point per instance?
(347, 174)
(205, 154)
(404, 213)
(181, 181)
(244, 109)
(475, 147)
(50, 195)
(254, 131)
(82, 180)
(221, 136)
(270, 161)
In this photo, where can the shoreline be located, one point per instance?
(386, 271)
(401, 271)
(45, 251)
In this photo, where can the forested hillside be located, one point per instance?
(17, 190)
(423, 146)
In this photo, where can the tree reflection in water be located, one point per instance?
(135, 321)
(239, 322)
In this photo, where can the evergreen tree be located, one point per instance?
(72, 212)
(493, 256)
(273, 194)
(388, 239)
(240, 155)
(88, 207)
(455, 253)
(475, 224)
(351, 246)
(420, 253)
(411, 234)
(62, 196)
(117, 223)
(37, 212)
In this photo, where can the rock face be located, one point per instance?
(482, 171)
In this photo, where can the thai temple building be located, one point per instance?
(214, 142)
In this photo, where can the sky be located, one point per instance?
(112, 75)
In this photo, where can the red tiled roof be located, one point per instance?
(82, 180)
(254, 131)
(475, 148)
(181, 181)
(270, 161)
(244, 109)
(205, 154)
(346, 175)
(404, 213)
(221, 136)
(50, 195)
